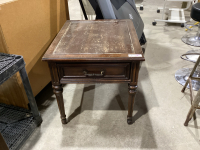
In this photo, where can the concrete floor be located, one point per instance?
(98, 112)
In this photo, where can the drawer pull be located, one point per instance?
(93, 74)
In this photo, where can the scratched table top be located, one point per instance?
(92, 40)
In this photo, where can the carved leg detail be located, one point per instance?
(58, 90)
(132, 93)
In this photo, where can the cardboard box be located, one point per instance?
(27, 27)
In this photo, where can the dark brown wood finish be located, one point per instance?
(3, 144)
(102, 51)
(58, 90)
(121, 42)
(103, 71)
(132, 90)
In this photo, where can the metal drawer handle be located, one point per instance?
(92, 74)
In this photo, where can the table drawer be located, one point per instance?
(110, 70)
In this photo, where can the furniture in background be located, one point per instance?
(175, 15)
(106, 51)
(27, 28)
(190, 26)
(141, 6)
(112, 9)
(192, 72)
(194, 40)
(17, 124)
(183, 74)
(195, 100)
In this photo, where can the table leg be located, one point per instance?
(132, 91)
(58, 90)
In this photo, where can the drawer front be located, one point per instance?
(110, 70)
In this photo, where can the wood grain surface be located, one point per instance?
(102, 51)
(92, 40)
(97, 37)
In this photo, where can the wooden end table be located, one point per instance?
(101, 51)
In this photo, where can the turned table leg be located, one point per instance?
(58, 90)
(132, 93)
(132, 90)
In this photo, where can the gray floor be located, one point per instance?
(98, 112)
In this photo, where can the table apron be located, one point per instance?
(91, 81)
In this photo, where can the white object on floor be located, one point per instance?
(140, 6)
(175, 15)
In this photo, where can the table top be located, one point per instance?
(96, 40)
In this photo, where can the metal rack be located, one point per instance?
(16, 124)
